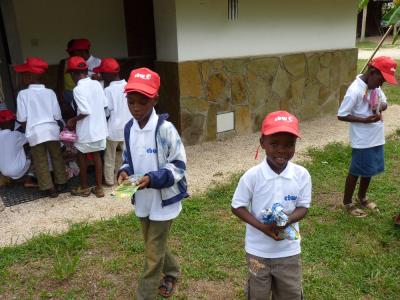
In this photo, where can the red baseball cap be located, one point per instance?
(6, 115)
(108, 65)
(280, 121)
(387, 66)
(143, 81)
(79, 44)
(76, 63)
(32, 65)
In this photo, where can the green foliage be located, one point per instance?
(362, 4)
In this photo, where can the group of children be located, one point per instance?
(153, 149)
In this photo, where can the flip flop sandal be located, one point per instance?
(354, 211)
(98, 191)
(167, 287)
(370, 205)
(81, 192)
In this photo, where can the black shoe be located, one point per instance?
(51, 193)
(60, 188)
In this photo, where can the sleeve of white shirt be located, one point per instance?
(81, 102)
(21, 139)
(347, 104)
(305, 191)
(244, 192)
(56, 107)
(21, 109)
(110, 105)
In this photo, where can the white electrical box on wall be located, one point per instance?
(225, 122)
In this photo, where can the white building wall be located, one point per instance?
(166, 31)
(263, 27)
(45, 27)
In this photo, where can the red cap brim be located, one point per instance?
(281, 129)
(389, 78)
(141, 88)
(25, 68)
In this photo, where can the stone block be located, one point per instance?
(212, 122)
(295, 64)
(206, 70)
(258, 91)
(259, 114)
(264, 67)
(192, 127)
(239, 90)
(236, 66)
(325, 59)
(216, 86)
(281, 83)
(323, 76)
(194, 105)
(190, 80)
(242, 119)
(311, 94)
(324, 94)
(313, 66)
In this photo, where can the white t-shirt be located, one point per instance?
(38, 107)
(118, 108)
(91, 101)
(13, 162)
(259, 188)
(362, 135)
(144, 158)
(92, 63)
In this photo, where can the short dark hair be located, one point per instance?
(79, 72)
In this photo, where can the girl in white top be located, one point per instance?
(90, 124)
(118, 114)
(362, 106)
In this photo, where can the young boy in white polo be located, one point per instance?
(274, 265)
(362, 106)
(118, 114)
(39, 112)
(90, 124)
(155, 150)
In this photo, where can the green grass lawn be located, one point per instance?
(371, 45)
(392, 92)
(343, 257)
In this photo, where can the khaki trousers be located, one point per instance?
(111, 161)
(41, 164)
(280, 277)
(158, 258)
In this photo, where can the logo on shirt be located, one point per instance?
(290, 198)
(151, 150)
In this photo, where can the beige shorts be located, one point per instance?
(280, 277)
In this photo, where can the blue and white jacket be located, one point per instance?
(170, 178)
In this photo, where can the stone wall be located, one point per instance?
(306, 84)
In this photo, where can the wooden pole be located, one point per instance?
(363, 24)
(377, 47)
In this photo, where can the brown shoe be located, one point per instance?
(98, 191)
(81, 192)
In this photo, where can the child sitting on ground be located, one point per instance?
(90, 124)
(13, 161)
(362, 106)
(155, 150)
(118, 112)
(274, 265)
(39, 112)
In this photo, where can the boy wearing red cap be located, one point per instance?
(362, 106)
(39, 112)
(274, 264)
(118, 114)
(90, 124)
(155, 150)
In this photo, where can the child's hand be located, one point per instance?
(144, 182)
(269, 229)
(372, 119)
(122, 177)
